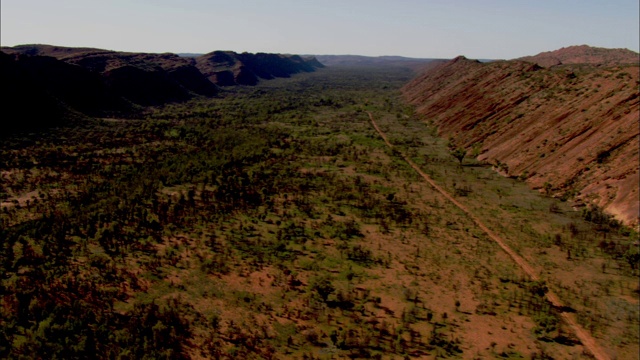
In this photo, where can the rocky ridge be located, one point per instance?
(105, 83)
(584, 54)
(570, 130)
(227, 68)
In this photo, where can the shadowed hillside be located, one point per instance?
(144, 79)
(20, 92)
(105, 83)
(571, 130)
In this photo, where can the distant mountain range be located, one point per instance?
(226, 68)
(358, 60)
(65, 81)
(361, 60)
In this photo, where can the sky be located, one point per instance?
(479, 29)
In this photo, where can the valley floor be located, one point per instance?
(275, 222)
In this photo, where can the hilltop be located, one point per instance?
(570, 130)
(584, 54)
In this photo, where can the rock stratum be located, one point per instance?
(96, 82)
(569, 128)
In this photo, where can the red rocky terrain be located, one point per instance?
(569, 129)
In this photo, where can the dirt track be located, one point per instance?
(585, 338)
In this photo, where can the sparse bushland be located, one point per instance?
(273, 222)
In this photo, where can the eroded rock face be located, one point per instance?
(571, 130)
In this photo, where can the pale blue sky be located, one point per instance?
(416, 28)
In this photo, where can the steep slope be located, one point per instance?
(42, 91)
(20, 91)
(571, 130)
(142, 79)
(74, 85)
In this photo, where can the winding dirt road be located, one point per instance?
(585, 338)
